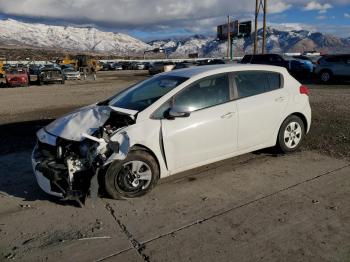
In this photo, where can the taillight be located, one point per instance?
(304, 90)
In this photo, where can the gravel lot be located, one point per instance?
(256, 207)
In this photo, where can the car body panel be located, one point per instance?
(217, 127)
(258, 117)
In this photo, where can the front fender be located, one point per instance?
(146, 134)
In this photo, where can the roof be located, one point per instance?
(217, 69)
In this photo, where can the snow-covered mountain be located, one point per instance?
(13, 32)
(280, 39)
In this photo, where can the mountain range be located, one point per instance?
(89, 39)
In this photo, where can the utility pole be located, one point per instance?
(264, 28)
(228, 37)
(258, 5)
(256, 25)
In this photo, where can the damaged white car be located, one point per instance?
(170, 123)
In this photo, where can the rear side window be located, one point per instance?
(251, 83)
(334, 59)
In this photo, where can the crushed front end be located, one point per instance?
(68, 168)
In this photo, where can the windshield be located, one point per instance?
(144, 94)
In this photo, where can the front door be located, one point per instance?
(209, 132)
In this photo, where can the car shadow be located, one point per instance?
(16, 177)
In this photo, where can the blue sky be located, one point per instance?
(154, 19)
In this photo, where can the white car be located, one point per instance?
(170, 123)
(71, 74)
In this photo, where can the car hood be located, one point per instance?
(86, 120)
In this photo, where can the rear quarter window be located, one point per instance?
(251, 83)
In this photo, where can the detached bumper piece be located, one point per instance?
(57, 179)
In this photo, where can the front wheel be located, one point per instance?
(133, 177)
(291, 134)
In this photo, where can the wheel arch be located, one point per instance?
(302, 117)
(148, 150)
(326, 70)
(298, 114)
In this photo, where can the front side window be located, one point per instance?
(142, 95)
(253, 83)
(205, 93)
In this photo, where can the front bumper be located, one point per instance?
(44, 183)
(73, 77)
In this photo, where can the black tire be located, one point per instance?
(325, 76)
(62, 82)
(118, 176)
(286, 136)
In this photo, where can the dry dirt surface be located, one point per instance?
(257, 207)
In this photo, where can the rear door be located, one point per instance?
(345, 70)
(261, 102)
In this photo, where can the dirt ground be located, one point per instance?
(256, 207)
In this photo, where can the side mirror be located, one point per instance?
(172, 113)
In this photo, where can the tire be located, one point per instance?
(291, 134)
(325, 76)
(62, 82)
(120, 182)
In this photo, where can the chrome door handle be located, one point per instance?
(228, 115)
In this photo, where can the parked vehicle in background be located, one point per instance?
(126, 65)
(333, 67)
(138, 66)
(16, 77)
(118, 66)
(211, 62)
(2, 69)
(156, 68)
(66, 66)
(51, 74)
(300, 66)
(168, 124)
(111, 66)
(147, 65)
(160, 67)
(34, 73)
(183, 65)
(266, 59)
(71, 74)
(295, 66)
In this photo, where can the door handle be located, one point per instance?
(228, 115)
(280, 99)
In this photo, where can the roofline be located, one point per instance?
(217, 69)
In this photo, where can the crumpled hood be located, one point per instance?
(85, 120)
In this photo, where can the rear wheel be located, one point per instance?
(325, 76)
(133, 177)
(291, 134)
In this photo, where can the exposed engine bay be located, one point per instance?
(71, 166)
